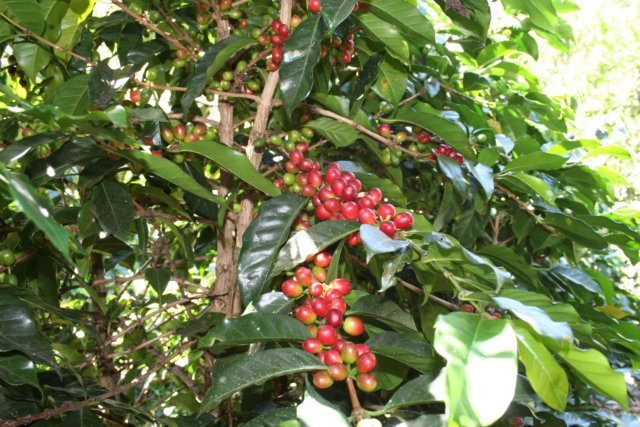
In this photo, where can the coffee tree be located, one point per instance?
(280, 213)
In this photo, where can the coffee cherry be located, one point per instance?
(354, 239)
(313, 331)
(291, 288)
(366, 363)
(362, 349)
(331, 175)
(322, 214)
(182, 54)
(334, 318)
(295, 21)
(320, 306)
(314, 6)
(388, 228)
(315, 178)
(323, 259)
(332, 356)
(467, 308)
(307, 165)
(327, 335)
(338, 371)
(384, 130)
(7, 257)
(179, 131)
(386, 211)
(353, 326)
(338, 344)
(403, 221)
(263, 39)
(367, 216)
(321, 379)
(312, 345)
(349, 193)
(516, 421)
(304, 276)
(135, 96)
(376, 195)
(333, 205)
(276, 24)
(341, 285)
(350, 211)
(167, 135)
(366, 382)
(283, 31)
(345, 57)
(349, 352)
(319, 273)
(276, 55)
(496, 315)
(365, 202)
(316, 289)
(306, 315)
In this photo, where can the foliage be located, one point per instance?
(154, 252)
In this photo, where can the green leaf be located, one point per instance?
(384, 32)
(340, 134)
(390, 190)
(557, 311)
(404, 348)
(482, 367)
(512, 261)
(258, 368)
(376, 242)
(418, 391)
(336, 11)
(19, 331)
(404, 16)
(385, 311)
(73, 95)
(256, 327)
(28, 13)
(16, 369)
(71, 26)
(211, 62)
(31, 57)
(301, 54)
(392, 80)
(576, 230)
(537, 318)
(261, 242)
(529, 183)
(236, 163)
(171, 172)
(535, 161)
(158, 278)
(593, 368)
(273, 418)
(311, 241)
(27, 199)
(453, 171)
(484, 175)
(113, 208)
(545, 375)
(314, 408)
(430, 119)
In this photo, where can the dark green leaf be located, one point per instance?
(484, 175)
(311, 241)
(576, 230)
(452, 170)
(384, 32)
(16, 369)
(25, 12)
(512, 261)
(376, 242)
(386, 312)
(392, 80)
(535, 161)
(529, 183)
(32, 58)
(336, 11)
(113, 208)
(257, 368)
(158, 278)
(415, 392)
(404, 16)
(340, 134)
(73, 95)
(273, 418)
(235, 162)
(404, 348)
(261, 242)
(211, 62)
(301, 54)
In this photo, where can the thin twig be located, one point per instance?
(433, 298)
(183, 34)
(529, 210)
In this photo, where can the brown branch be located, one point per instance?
(404, 101)
(44, 41)
(74, 406)
(187, 381)
(150, 25)
(433, 298)
(357, 412)
(243, 121)
(529, 210)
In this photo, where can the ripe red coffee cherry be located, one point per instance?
(296, 156)
(353, 326)
(306, 315)
(320, 306)
(333, 205)
(388, 228)
(327, 335)
(467, 308)
(334, 318)
(376, 195)
(322, 213)
(338, 344)
(291, 167)
(332, 294)
(135, 96)
(306, 165)
(314, 6)
(275, 25)
(315, 178)
(349, 352)
(323, 259)
(321, 379)
(316, 200)
(321, 356)
(312, 345)
(291, 288)
(516, 421)
(179, 131)
(316, 289)
(338, 185)
(338, 371)
(332, 356)
(278, 183)
(319, 273)
(308, 190)
(384, 130)
(354, 239)
(386, 211)
(276, 55)
(345, 57)
(341, 285)
(302, 179)
(326, 193)
(350, 211)
(367, 382)
(283, 31)
(362, 349)
(277, 40)
(403, 220)
(365, 202)
(496, 315)
(304, 276)
(331, 175)
(366, 362)
(442, 150)
(367, 216)
(349, 193)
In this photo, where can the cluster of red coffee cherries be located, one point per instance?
(417, 142)
(445, 150)
(492, 311)
(187, 133)
(323, 314)
(279, 35)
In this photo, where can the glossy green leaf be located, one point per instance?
(26, 12)
(429, 119)
(404, 348)
(262, 241)
(593, 367)
(71, 26)
(577, 230)
(558, 312)
(36, 209)
(16, 369)
(385, 33)
(340, 134)
(32, 58)
(385, 311)
(418, 391)
(211, 62)
(311, 241)
(404, 16)
(314, 408)
(453, 171)
(376, 242)
(113, 208)
(390, 190)
(171, 172)
(236, 163)
(274, 418)
(73, 96)
(336, 11)
(545, 375)
(158, 278)
(256, 327)
(481, 369)
(392, 80)
(528, 183)
(537, 318)
(257, 368)
(301, 54)
(535, 161)
(19, 331)
(484, 175)
(472, 17)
